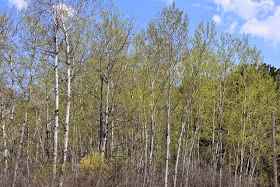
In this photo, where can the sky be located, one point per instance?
(260, 19)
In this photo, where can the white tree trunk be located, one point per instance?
(146, 147)
(12, 111)
(152, 133)
(152, 108)
(56, 110)
(5, 152)
(184, 121)
(47, 126)
(168, 136)
(112, 137)
(274, 149)
(242, 148)
(19, 148)
(67, 111)
(178, 151)
(105, 126)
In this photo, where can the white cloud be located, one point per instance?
(258, 18)
(208, 7)
(168, 1)
(20, 4)
(268, 28)
(222, 2)
(217, 19)
(232, 27)
(246, 9)
(198, 5)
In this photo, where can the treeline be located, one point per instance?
(88, 100)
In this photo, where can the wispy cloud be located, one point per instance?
(168, 1)
(246, 9)
(20, 4)
(232, 27)
(198, 5)
(258, 18)
(217, 19)
(267, 28)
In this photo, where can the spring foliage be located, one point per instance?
(212, 91)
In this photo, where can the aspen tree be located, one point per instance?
(169, 30)
(111, 45)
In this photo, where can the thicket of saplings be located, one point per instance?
(87, 99)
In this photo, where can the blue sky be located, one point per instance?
(260, 19)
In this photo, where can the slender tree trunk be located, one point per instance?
(19, 149)
(189, 157)
(47, 126)
(152, 180)
(12, 152)
(41, 141)
(152, 108)
(146, 147)
(253, 170)
(5, 152)
(12, 112)
(67, 111)
(236, 166)
(56, 109)
(249, 160)
(178, 151)
(274, 149)
(112, 140)
(168, 135)
(221, 177)
(23, 126)
(185, 154)
(152, 137)
(242, 147)
(112, 137)
(184, 162)
(105, 126)
(101, 113)
(184, 120)
(28, 154)
(75, 144)
(214, 147)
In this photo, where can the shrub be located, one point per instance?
(93, 163)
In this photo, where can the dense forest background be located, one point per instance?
(89, 100)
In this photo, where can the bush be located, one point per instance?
(93, 170)
(93, 163)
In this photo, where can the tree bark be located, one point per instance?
(274, 149)
(12, 112)
(105, 126)
(168, 134)
(146, 146)
(47, 126)
(56, 110)
(67, 111)
(19, 149)
(101, 112)
(5, 152)
(184, 120)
